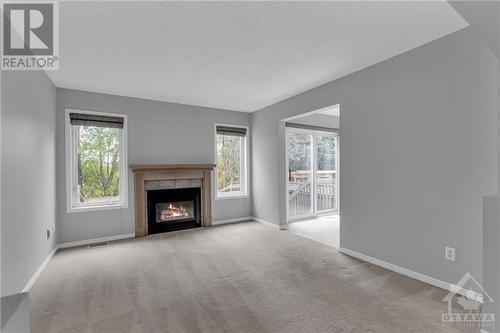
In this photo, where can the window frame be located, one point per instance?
(71, 176)
(244, 166)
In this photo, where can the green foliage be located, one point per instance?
(98, 162)
(228, 163)
(299, 152)
(326, 153)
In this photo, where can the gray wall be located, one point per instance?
(418, 150)
(28, 175)
(158, 132)
(484, 18)
(491, 264)
(15, 313)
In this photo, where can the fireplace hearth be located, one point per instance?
(173, 209)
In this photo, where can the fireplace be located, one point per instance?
(159, 177)
(173, 209)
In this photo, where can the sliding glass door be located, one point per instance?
(326, 173)
(312, 172)
(300, 165)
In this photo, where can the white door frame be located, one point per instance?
(314, 167)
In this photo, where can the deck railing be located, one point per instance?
(300, 199)
(300, 191)
(326, 195)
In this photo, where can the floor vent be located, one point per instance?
(98, 244)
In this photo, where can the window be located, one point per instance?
(231, 159)
(96, 164)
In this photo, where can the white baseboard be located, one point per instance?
(39, 271)
(95, 240)
(238, 219)
(415, 275)
(269, 224)
(249, 218)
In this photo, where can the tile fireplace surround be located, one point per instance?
(156, 176)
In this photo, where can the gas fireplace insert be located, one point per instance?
(173, 209)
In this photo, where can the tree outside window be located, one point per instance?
(230, 150)
(98, 160)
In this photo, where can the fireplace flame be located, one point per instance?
(173, 211)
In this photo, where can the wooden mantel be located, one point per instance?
(147, 172)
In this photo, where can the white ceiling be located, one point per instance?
(239, 56)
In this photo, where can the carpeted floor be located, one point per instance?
(243, 277)
(324, 229)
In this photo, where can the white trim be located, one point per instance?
(314, 172)
(235, 195)
(95, 240)
(230, 195)
(70, 170)
(44, 264)
(287, 177)
(316, 111)
(246, 166)
(103, 206)
(238, 219)
(39, 271)
(412, 274)
(459, 285)
(267, 223)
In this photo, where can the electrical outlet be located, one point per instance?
(449, 253)
(259, 205)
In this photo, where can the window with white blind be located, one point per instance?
(96, 160)
(231, 159)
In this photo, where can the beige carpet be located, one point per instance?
(324, 229)
(243, 277)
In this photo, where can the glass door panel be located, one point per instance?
(300, 187)
(326, 173)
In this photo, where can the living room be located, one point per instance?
(149, 183)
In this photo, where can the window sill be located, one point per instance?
(97, 208)
(232, 196)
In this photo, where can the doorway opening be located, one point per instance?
(312, 166)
